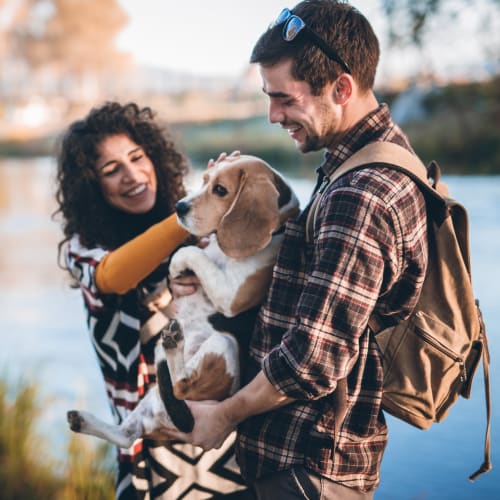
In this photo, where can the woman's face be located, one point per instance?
(126, 175)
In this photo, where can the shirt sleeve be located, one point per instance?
(356, 257)
(122, 269)
(99, 271)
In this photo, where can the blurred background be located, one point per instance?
(440, 73)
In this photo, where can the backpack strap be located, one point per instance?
(384, 153)
(373, 154)
(486, 465)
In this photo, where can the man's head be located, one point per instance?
(318, 66)
(345, 30)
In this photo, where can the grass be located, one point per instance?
(27, 469)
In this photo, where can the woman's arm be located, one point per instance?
(122, 269)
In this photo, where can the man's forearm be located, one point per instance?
(259, 396)
(214, 421)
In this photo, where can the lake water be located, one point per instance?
(44, 338)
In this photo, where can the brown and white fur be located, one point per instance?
(241, 206)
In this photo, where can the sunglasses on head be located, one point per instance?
(295, 25)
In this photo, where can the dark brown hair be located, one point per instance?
(341, 26)
(79, 197)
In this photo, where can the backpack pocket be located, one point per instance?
(423, 372)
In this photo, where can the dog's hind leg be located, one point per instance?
(122, 435)
(169, 369)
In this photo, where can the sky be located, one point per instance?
(216, 37)
(198, 36)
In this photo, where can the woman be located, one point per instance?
(119, 176)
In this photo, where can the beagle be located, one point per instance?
(241, 207)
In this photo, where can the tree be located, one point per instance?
(81, 34)
(436, 37)
(8, 15)
(66, 47)
(77, 35)
(408, 19)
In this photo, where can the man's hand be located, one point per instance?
(214, 421)
(186, 284)
(183, 285)
(212, 425)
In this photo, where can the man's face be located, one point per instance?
(313, 122)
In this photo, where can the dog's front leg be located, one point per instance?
(219, 285)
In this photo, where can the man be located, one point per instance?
(309, 420)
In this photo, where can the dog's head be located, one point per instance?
(243, 200)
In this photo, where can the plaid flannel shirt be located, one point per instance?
(368, 255)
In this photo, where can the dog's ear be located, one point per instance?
(248, 225)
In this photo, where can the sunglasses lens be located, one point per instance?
(283, 16)
(292, 28)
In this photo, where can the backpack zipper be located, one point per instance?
(445, 350)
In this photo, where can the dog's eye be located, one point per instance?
(219, 190)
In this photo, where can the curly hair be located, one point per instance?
(79, 197)
(341, 26)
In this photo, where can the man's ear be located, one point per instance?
(343, 88)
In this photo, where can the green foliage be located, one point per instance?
(461, 130)
(27, 469)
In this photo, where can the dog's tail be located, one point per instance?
(177, 409)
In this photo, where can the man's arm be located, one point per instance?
(214, 421)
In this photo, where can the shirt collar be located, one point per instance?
(369, 129)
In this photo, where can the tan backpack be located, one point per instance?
(429, 359)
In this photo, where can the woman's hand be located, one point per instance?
(222, 157)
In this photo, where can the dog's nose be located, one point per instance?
(182, 207)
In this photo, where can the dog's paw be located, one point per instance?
(172, 334)
(184, 259)
(75, 420)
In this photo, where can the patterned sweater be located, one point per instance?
(148, 469)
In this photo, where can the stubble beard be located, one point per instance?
(313, 143)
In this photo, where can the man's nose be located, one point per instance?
(276, 114)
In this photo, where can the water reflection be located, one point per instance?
(44, 336)
(29, 236)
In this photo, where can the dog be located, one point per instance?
(242, 206)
